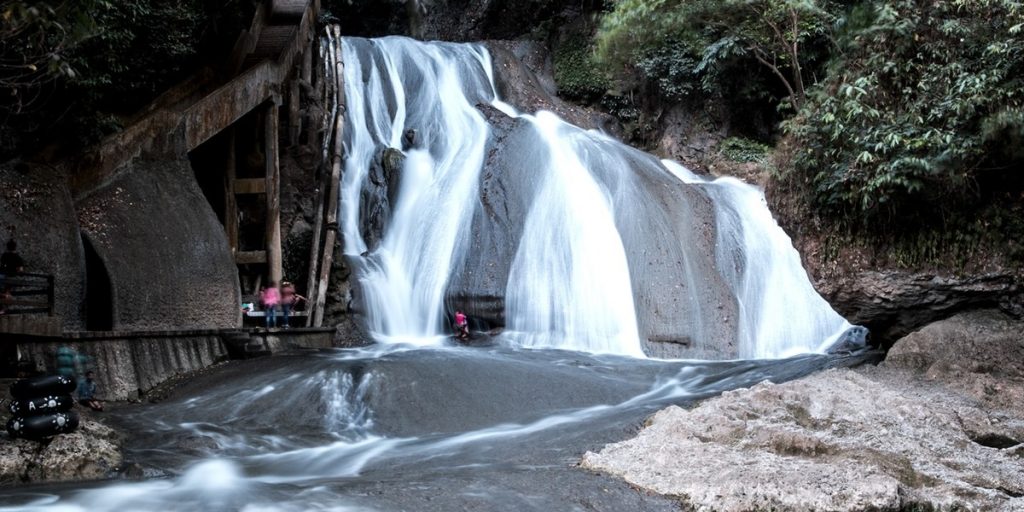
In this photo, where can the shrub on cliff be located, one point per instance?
(920, 113)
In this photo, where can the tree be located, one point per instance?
(710, 39)
(35, 40)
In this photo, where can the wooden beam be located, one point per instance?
(250, 186)
(273, 179)
(249, 257)
(229, 103)
(230, 204)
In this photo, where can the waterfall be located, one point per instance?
(779, 309)
(589, 244)
(392, 83)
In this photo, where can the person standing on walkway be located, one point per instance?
(10, 261)
(288, 300)
(10, 264)
(271, 298)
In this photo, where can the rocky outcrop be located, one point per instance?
(978, 353)
(923, 431)
(523, 78)
(90, 453)
(892, 303)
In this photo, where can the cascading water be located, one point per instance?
(610, 254)
(404, 279)
(779, 309)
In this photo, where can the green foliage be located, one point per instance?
(577, 75)
(114, 58)
(922, 107)
(739, 149)
(707, 45)
(35, 39)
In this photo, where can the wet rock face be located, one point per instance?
(379, 194)
(937, 427)
(90, 453)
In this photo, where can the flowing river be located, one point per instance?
(400, 428)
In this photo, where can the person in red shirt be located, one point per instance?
(461, 325)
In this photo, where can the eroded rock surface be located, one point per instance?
(92, 452)
(915, 432)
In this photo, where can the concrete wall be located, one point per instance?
(130, 364)
(164, 249)
(35, 201)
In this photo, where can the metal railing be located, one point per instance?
(25, 293)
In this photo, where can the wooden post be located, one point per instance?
(332, 202)
(273, 178)
(294, 118)
(230, 201)
(326, 95)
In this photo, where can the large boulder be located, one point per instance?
(978, 353)
(90, 453)
(834, 441)
(937, 426)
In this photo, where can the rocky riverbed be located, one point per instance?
(937, 426)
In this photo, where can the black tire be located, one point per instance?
(41, 405)
(43, 426)
(44, 385)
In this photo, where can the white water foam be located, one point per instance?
(780, 312)
(569, 284)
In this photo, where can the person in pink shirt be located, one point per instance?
(461, 325)
(271, 298)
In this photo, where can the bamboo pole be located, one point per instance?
(332, 204)
(327, 54)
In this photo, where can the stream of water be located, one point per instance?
(399, 428)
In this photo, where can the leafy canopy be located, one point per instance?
(691, 45)
(922, 106)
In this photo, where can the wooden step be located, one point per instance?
(288, 9)
(248, 257)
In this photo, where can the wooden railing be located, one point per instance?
(26, 293)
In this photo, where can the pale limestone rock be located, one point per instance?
(834, 441)
(91, 452)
